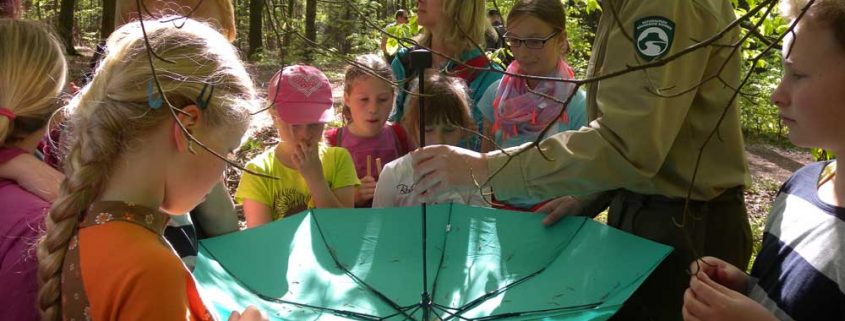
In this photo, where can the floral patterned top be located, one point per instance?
(119, 267)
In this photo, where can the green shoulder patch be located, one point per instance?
(653, 36)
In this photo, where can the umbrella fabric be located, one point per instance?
(482, 264)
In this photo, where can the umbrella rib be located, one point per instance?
(446, 310)
(493, 293)
(442, 255)
(344, 313)
(413, 307)
(498, 291)
(265, 297)
(355, 278)
(518, 314)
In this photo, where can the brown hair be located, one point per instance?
(365, 66)
(112, 112)
(823, 13)
(446, 102)
(551, 12)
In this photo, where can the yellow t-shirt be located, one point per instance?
(289, 194)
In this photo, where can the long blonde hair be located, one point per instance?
(112, 113)
(468, 23)
(32, 74)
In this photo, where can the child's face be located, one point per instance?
(199, 172)
(811, 95)
(308, 134)
(442, 134)
(539, 61)
(370, 101)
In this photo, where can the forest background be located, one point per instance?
(328, 33)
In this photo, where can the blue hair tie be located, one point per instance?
(154, 102)
(203, 101)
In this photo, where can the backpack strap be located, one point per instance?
(405, 60)
(402, 137)
(469, 74)
(333, 136)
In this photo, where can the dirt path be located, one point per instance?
(770, 166)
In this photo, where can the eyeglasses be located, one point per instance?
(530, 43)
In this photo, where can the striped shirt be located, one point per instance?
(800, 270)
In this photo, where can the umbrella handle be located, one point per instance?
(420, 60)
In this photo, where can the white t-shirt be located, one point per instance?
(396, 182)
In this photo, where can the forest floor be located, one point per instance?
(770, 163)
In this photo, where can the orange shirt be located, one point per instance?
(129, 274)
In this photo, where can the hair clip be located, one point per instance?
(202, 100)
(154, 102)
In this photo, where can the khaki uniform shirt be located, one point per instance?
(636, 139)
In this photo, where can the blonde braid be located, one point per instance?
(84, 181)
(113, 112)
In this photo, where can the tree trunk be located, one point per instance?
(65, 26)
(284, 48)
(310, 28)
(107, 23)
(348, 20)
(256, 10)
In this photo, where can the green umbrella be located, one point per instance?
(481, 264)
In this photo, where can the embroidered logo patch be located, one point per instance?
(653, 36)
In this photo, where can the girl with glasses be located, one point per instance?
(515, 109)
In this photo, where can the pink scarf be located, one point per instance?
(519, 112)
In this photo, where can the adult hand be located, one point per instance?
(441, 168)
(721, 272)
(365, 192)
(559, 208)
(707, 300)
(306, 159)
(251, 313)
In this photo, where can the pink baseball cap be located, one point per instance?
(301, 95)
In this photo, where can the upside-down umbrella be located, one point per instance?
(480, 264)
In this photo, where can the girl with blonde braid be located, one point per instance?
(32, 74)
(130, 166)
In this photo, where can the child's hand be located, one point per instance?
(306, 159)
(707, 300)
(721, 272)
(365, 192)
(251, 313)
